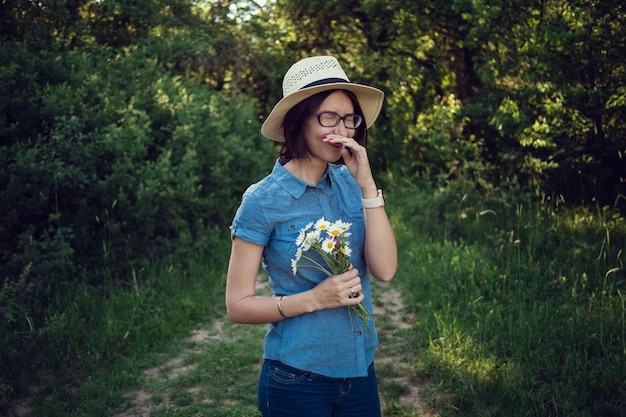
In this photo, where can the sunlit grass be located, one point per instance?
(523, 315)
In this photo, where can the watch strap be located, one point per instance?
(377, 201)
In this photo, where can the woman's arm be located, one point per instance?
(244, 306)
(381, 252)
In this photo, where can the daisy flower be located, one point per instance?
(343, 226)
(300, 238)
(310, 239)
(334, 230)
(328, 244)
(294, 266)
(322, 224)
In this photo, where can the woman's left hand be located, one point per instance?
(355, 158)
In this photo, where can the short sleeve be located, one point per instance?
(250, 223)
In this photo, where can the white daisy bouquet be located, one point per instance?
(330, 240)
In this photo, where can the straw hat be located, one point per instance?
(310, 76)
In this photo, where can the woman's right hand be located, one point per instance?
(339, 290)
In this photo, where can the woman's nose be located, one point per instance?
(341, 128)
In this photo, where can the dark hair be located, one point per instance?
(295, 146)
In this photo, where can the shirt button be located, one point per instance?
(358, 333)
(321, 192)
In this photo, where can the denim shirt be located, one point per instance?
(327, 342)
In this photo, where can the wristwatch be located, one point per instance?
(377, 201)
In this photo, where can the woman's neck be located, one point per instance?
(309, 170)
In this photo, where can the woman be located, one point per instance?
(318, 359)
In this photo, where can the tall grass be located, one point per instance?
(520, 304)
(91, 350)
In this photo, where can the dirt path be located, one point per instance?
(393, 369)
(399, 387)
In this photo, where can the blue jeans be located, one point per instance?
(289, 392)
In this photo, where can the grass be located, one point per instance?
(524, 317)
(212, 375)
(96, 347)
(498, 309)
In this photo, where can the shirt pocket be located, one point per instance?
(354, 215)
(285, 235)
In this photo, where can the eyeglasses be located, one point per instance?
(332, 119)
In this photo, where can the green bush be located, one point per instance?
(124, 164)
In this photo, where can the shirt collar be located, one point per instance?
(293, 185)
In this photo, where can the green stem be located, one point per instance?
(316, 265)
